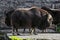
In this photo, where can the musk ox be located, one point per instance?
(30, 18)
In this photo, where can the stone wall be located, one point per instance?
(6, 4)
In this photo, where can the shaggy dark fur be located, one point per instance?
(32, 18)
(8, 17)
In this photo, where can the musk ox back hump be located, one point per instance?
(21, 18)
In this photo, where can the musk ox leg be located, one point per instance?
(17, 31)
(13, 30)
(29, 30)
(44, 30)
(24, 30)
(33, 31)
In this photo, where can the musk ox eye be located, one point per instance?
(50, 19)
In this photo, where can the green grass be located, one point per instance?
(58, 28)
(18, 38)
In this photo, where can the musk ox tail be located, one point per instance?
(8, 17)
